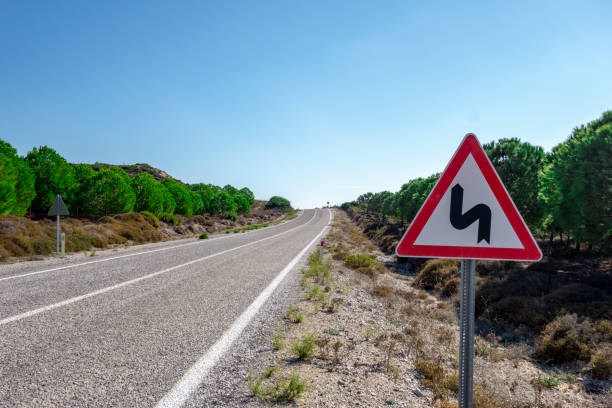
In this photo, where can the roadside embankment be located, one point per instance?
(22, 237)
(361, 335)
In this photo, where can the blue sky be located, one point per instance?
(314, 101)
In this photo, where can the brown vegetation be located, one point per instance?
(25, 237)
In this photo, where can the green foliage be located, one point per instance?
(53, 176)
(168, 200)
(304, 348)
(519, 165)
(248, 194)
(169, 219)
(356, 261)
(23, 181)
(294, 314)
(207, 195)
(285, 389)
(198, 203)
(278, 202)
(549, 381)
(152, 218)
(181, 196)
(149, 194)
(8, 180)
(83, 174)
(243, 205)
(288, 389)
(203, 235)
(108, 192)
(226, 206)
(578, 195)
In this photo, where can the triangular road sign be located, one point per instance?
(58, 207)
(469, 215)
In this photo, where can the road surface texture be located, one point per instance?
(144, 326)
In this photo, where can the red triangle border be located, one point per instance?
(530, 250)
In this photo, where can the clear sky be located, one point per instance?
(314, 101)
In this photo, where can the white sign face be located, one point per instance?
(439, 231)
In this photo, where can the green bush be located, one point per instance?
(356, 261)
(288, 389)
(278, 202)
(204, 235)
(169, 219)
(305, 347)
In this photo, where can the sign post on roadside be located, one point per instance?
(469, 215)
(58, 208)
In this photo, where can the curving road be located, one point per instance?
(139, 327)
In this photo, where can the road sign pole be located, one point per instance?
(57, 244)
(466, 332)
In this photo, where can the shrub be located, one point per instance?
(43, 246)
(315, 293)
(519, 310)
(151, 218)
(279, 344)
(604, 330)
(451, 286)
(549, 381)
(564, 340)
(433, 374)
(383, 290)
(169, 219)
(278, 202)
(305, 347)
(437, 273)
(357, 261)
(288, 389)
(294, 314)
(204, 235)
(601, 363)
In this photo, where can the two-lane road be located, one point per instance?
(138, 327)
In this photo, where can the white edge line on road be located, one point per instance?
(141, 278)
(130, 255)
(190, 381)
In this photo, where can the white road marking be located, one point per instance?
(190, 381)
(141, 278)
(129, 255)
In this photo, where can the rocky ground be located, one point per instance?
(377, 341)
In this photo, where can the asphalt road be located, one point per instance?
(132, 328)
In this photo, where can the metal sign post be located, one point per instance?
(57, 241)
(466, 332)
(58, 208)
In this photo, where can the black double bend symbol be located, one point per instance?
(480, 213)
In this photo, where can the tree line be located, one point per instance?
(565, 192)
(32, 182)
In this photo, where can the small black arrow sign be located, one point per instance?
(480, 213)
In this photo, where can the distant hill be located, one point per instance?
(134, 169)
